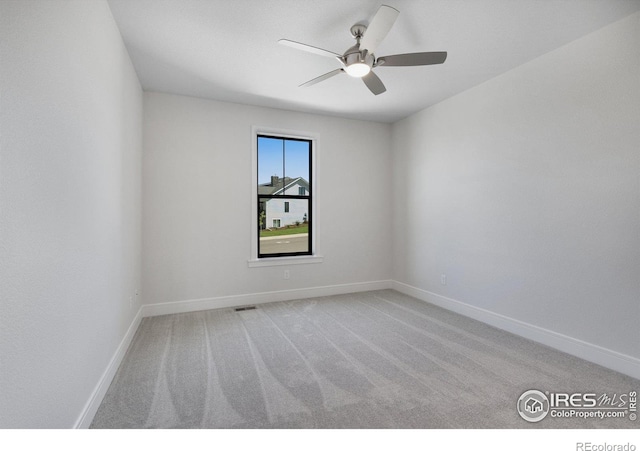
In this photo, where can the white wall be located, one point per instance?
(70, 164)
(298, 210)
(197, 163)
(525, 192)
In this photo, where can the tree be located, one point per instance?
(263, 217)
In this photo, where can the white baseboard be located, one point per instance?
(90, 409)
(593, 353)
(195, 305)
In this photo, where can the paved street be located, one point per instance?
(284, 243)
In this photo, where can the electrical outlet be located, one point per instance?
(286, 274)
(443, 279)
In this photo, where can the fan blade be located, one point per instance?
(308, 48)
(413, 59)
(321, 78)
(374, 83)
(378, 28)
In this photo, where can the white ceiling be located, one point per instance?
(227, 49)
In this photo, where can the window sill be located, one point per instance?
(284, 261)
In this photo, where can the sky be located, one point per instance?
(270, 158)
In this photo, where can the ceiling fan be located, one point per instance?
(359, 59)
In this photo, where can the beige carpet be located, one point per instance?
(367, 360)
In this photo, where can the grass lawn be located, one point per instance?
(287, 231)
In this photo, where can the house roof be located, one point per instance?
(269, 188)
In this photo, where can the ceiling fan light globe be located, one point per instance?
(358, 70)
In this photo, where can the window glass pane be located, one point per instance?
(296, 159)
(284, 232)
(270, 165)
(283, 173)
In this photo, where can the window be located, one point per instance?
(284, 189)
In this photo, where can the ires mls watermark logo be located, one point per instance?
(534, 405)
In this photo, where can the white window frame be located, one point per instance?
(315, 256)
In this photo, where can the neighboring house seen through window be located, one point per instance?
(284, 196)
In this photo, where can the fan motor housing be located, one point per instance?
(354, 55)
